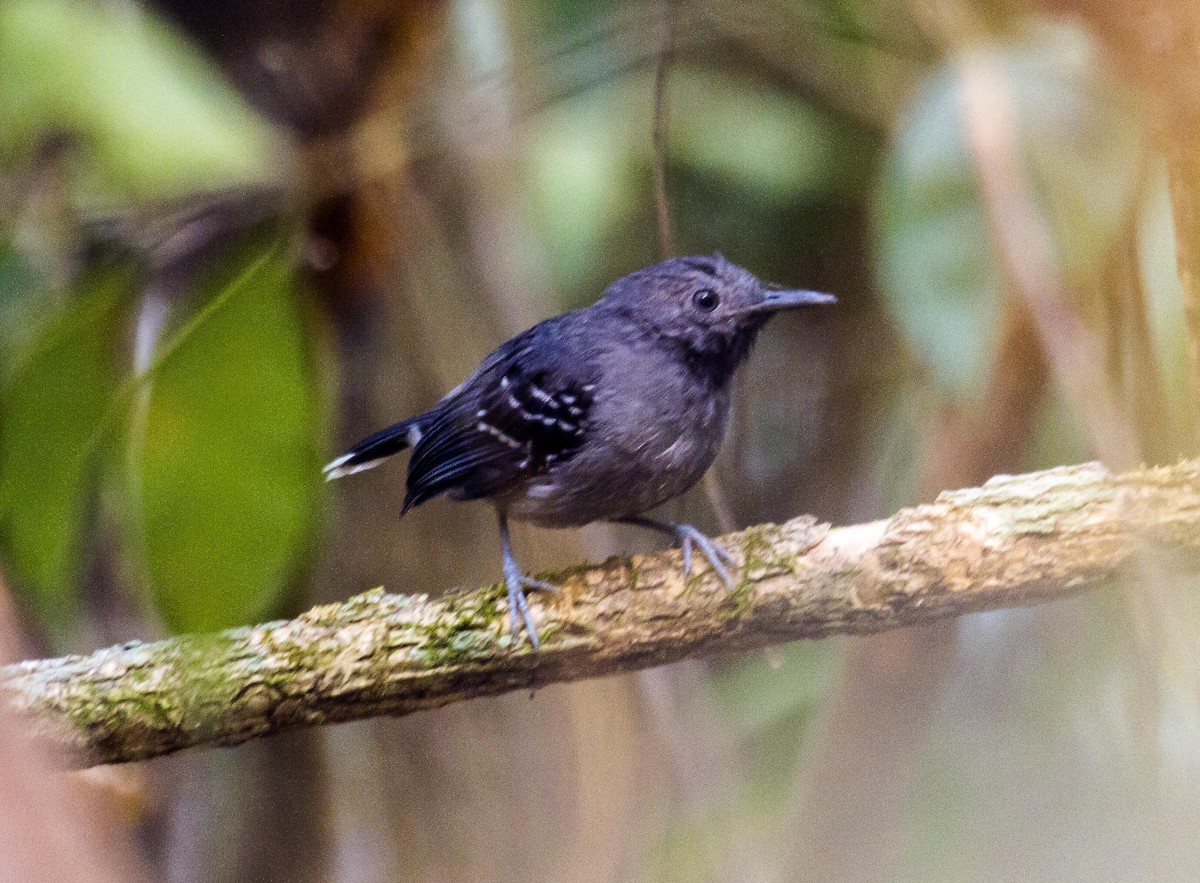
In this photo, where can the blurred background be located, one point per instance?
(235, 237)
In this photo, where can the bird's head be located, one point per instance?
(710, 307)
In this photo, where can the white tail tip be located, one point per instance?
(338, 469)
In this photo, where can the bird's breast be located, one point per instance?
(646, 446)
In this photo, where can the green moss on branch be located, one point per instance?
(1017, 540)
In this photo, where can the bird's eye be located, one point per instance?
(706, 299)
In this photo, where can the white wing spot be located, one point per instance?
(500, 436)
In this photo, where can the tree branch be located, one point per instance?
(1016, 541)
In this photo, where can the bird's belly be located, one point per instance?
(633, 474)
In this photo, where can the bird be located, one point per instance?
(598, 414)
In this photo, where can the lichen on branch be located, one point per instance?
(1017, 540)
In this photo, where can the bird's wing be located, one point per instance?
(524, 410)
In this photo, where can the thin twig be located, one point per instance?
(713, 491)
(666, 234)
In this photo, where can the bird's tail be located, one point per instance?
(374, 449)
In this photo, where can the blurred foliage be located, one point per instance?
(588, 183)
(52, 417)
(1164, 299)
(432, 170)
(224, 450)
(21, 293)
(221, 429)
(149, 115)
(1075, 128)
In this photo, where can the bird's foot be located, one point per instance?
(537, 585)
(518, 605)
(717, 556)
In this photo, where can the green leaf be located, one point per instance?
(223, 458)
(1081, 144)
(152, 116)
(53, 409)
(22, 292)
(935, 257)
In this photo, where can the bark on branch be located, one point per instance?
(1018, 540)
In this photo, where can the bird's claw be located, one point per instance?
(518, 605)
(719, 558)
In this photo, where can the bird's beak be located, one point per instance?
(774, 301)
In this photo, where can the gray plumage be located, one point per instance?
(598, 414)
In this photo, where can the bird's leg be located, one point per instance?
(516, 583)
(688, 537)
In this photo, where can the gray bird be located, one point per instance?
(599, 414)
